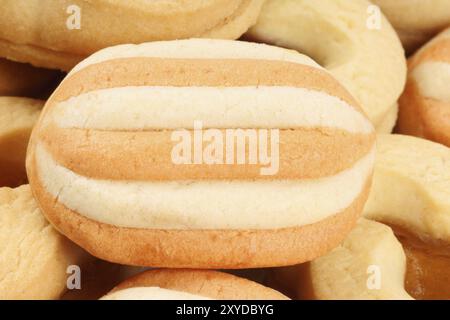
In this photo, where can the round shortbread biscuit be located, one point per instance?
(416, 21)
(34, 257)
(58, 35)
(104, 161)
(370, 264)
(24, 80)
(425, 104)
(167, 284)
(369, 63)
(411, 186)
(17, 118)
(411, 194)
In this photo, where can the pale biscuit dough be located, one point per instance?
(369, 63)
(33, 256)
(180, 107)
(411, 186)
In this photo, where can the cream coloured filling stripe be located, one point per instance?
(197, 49)
(137, 108)
(151, 293)
(433, 80)
(231, 204)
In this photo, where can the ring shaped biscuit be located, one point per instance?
(111, 164)
(171, 284)
(416, 21)
(425, 104)
(17, 118)
(370, 63)
(34, 257)
(24, 80)
(65, 32)
(411, 194)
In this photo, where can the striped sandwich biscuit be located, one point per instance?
(425, 104)
(202, 153)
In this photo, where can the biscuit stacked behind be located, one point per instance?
(425, 104)
(59, 34)
(100, 160)
(190, 285)
(416, 21)
(17, 118)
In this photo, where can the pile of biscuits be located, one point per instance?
(225, 149)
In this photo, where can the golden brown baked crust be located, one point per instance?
(211, 284)
(147, 71)
(298, 153)
(226, 249)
